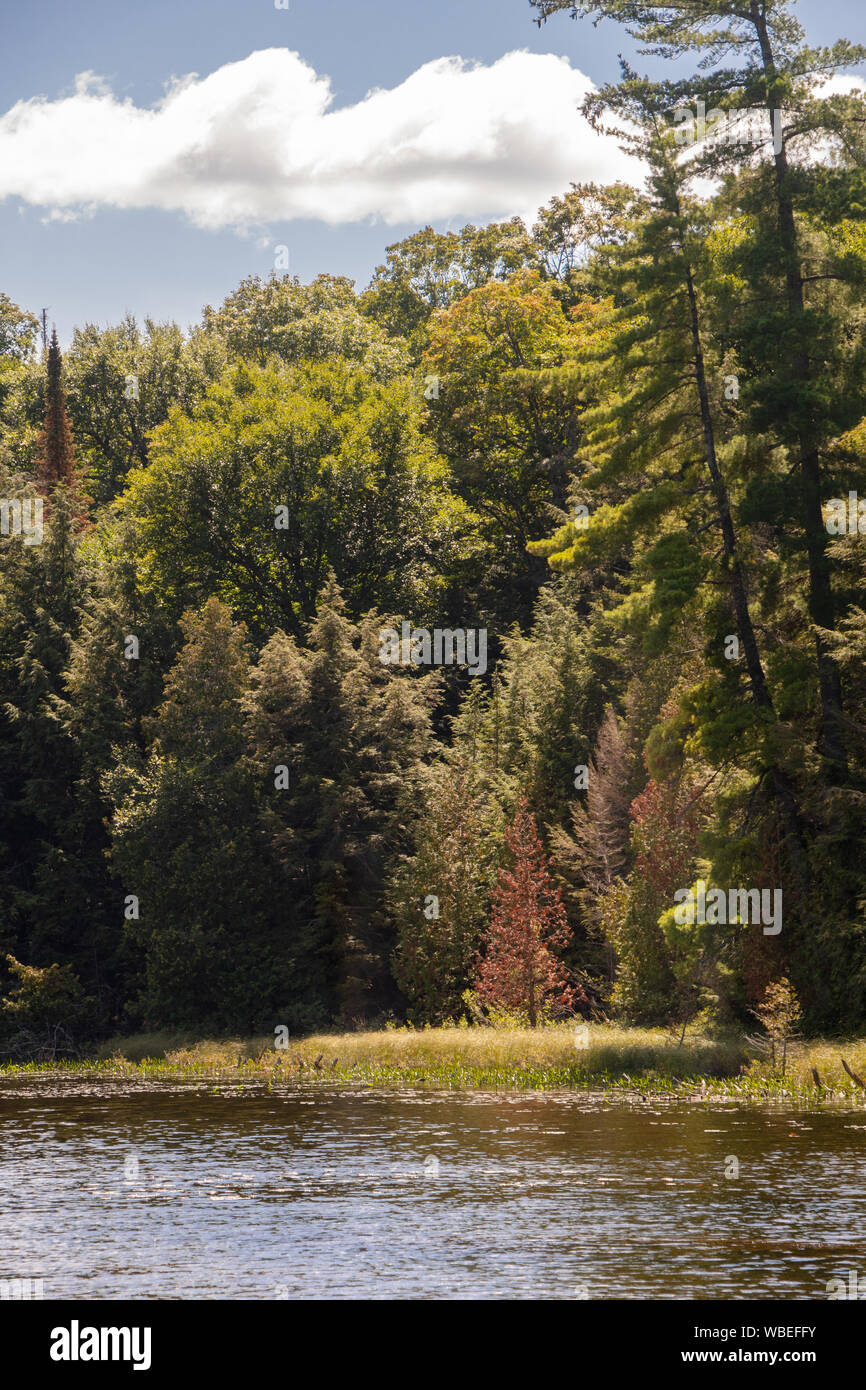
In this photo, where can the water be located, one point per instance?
(113, 1190)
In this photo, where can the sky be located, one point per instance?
(155, 152)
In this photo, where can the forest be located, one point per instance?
(253, 770)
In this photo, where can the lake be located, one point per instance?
(164, 1190)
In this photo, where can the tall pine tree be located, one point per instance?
(55, 454)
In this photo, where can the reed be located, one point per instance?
(599, 1057)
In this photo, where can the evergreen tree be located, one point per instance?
(792, 336)
(517, 968)
(592, 854)
(660, 410)
(54, 885)
(351, 734)
(440, 895)
(197, 886)
(55, 454)
(664, 846)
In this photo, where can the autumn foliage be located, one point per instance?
(55, 454)
(665, 837)
(517, 967)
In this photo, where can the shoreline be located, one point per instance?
(601, 1058)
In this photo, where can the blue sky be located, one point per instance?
(110, 211)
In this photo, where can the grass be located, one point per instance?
(611, 1058)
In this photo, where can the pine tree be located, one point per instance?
(55, 454)
(189, 849)
(664, 845)
(440, 895)
(661, 409)
(790, 335)
(54, 882)
(200, 716)
(593, 852)
(351, 734)
(517, 967)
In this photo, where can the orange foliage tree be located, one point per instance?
(517, 967)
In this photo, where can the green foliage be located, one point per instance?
(281, 319)
(432, 270)
(353, 735)
(43, 998)
(121, 383)
(18, 330)
(362, 491)
(779, 1013)
(186, 846)
(610, 443)
(508, 419)
(439, 896)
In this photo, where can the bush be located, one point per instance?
(46, 1012)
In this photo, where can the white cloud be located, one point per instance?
(261, 141)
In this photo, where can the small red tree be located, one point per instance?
(517, 968)
(55, 455)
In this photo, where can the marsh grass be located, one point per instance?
(600, 1057)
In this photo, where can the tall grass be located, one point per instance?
(601, 1056)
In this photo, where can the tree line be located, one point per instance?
(609, 441)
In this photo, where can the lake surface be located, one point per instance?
(155, 1190)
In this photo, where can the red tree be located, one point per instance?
(665, 839)
(55, 456)
(517, 968)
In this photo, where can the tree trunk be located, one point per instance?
(821, 604)
(782, 790)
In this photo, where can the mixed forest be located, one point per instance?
(627, 442)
